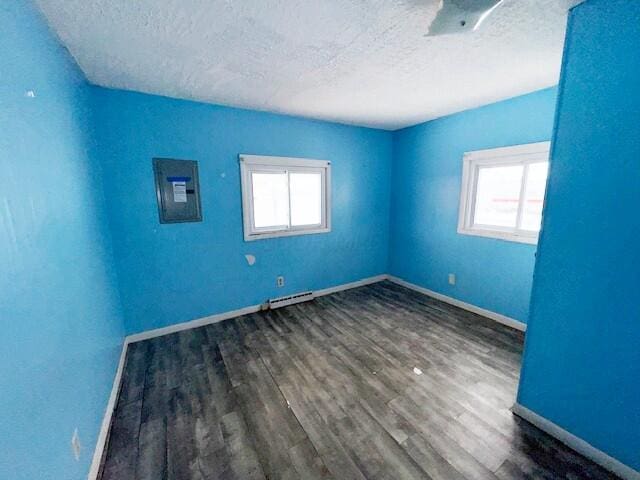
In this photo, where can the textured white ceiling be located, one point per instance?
(364, 62)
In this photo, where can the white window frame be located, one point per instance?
(515, 155)
(261, 163)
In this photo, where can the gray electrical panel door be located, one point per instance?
(178, 190)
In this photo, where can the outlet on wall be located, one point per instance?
(452, 279)
(280, 281)
(75, 445)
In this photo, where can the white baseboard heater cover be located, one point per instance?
(290, 300)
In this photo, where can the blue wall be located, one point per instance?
(178, 272)
(582, 354)
(62, 327)
(427, 169)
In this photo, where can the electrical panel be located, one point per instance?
(177, 190)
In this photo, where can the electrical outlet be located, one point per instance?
(452, 279)
(280, 281)
(75, 445)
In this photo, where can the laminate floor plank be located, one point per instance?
(377, 382)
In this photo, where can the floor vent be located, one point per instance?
(290, 300)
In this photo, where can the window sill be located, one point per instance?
(285, 233)
(499, 235)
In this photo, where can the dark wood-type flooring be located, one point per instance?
(377, 382)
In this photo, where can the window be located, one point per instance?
(503, 192)
(284, 196)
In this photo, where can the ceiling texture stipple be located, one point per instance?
(362, 62)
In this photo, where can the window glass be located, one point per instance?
(534, 196)
(498, 195)
(306, 198)
(270, 199)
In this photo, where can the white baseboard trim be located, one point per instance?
(498, 317)
(198, 322)
(348, 286)
(101, 443)
(218, 317)
(576, 443)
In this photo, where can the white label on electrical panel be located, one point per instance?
(179, 192)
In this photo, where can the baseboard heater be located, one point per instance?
(289, 300)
